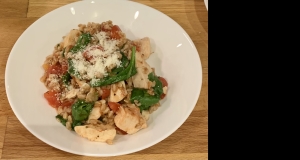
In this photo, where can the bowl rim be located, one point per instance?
(171, 131)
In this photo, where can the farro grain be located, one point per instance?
(68, 126)
(65, 115)
(70, 119)
(59, 110)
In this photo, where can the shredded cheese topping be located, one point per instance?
(102, 56)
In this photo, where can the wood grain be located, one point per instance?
(11, 29)
(19, 142)
(189, 142)
(15, 8)
(38, 8)
(186, 156)
(3, 123)
(4, 52)
(202, 103)
(5, 109)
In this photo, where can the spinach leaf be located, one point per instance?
(145, 98)
(81, 110)
(115, 71)
(158, 88)
(129, 71)
(144, 107)
(83, 40)
(124, 62)
(61, 119)
(76, 123)
(66, 78)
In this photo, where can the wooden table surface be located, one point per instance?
(190, 141)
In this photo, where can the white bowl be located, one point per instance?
(175, 58)
(206, 4)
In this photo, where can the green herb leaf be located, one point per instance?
(129, 71)
(83, 40)
(76, 123)
(66, 78)
(144, 107)
(124, 62)
(71, 68)
(81, 110)
(61, 119)
(145, 98)
(158, 88)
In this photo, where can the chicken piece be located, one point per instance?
(95, 113)
(69, 40)
(144, 47)
(117, 91)
(139, 61)
(140, 80)
(92, 95)
(100, 108)
(129, 119)
(72, 93)
(97, 132)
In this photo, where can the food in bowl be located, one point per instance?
(100, 83)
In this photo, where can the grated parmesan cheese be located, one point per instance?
(103, 55)
(53, 82)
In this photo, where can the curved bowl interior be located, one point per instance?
(175, 58)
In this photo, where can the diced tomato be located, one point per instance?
(55, 69)
(121, 131)
(105, 93)
(163, 81)
(162, 96)
(52, 98)
(115, 32)
(114, 106)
